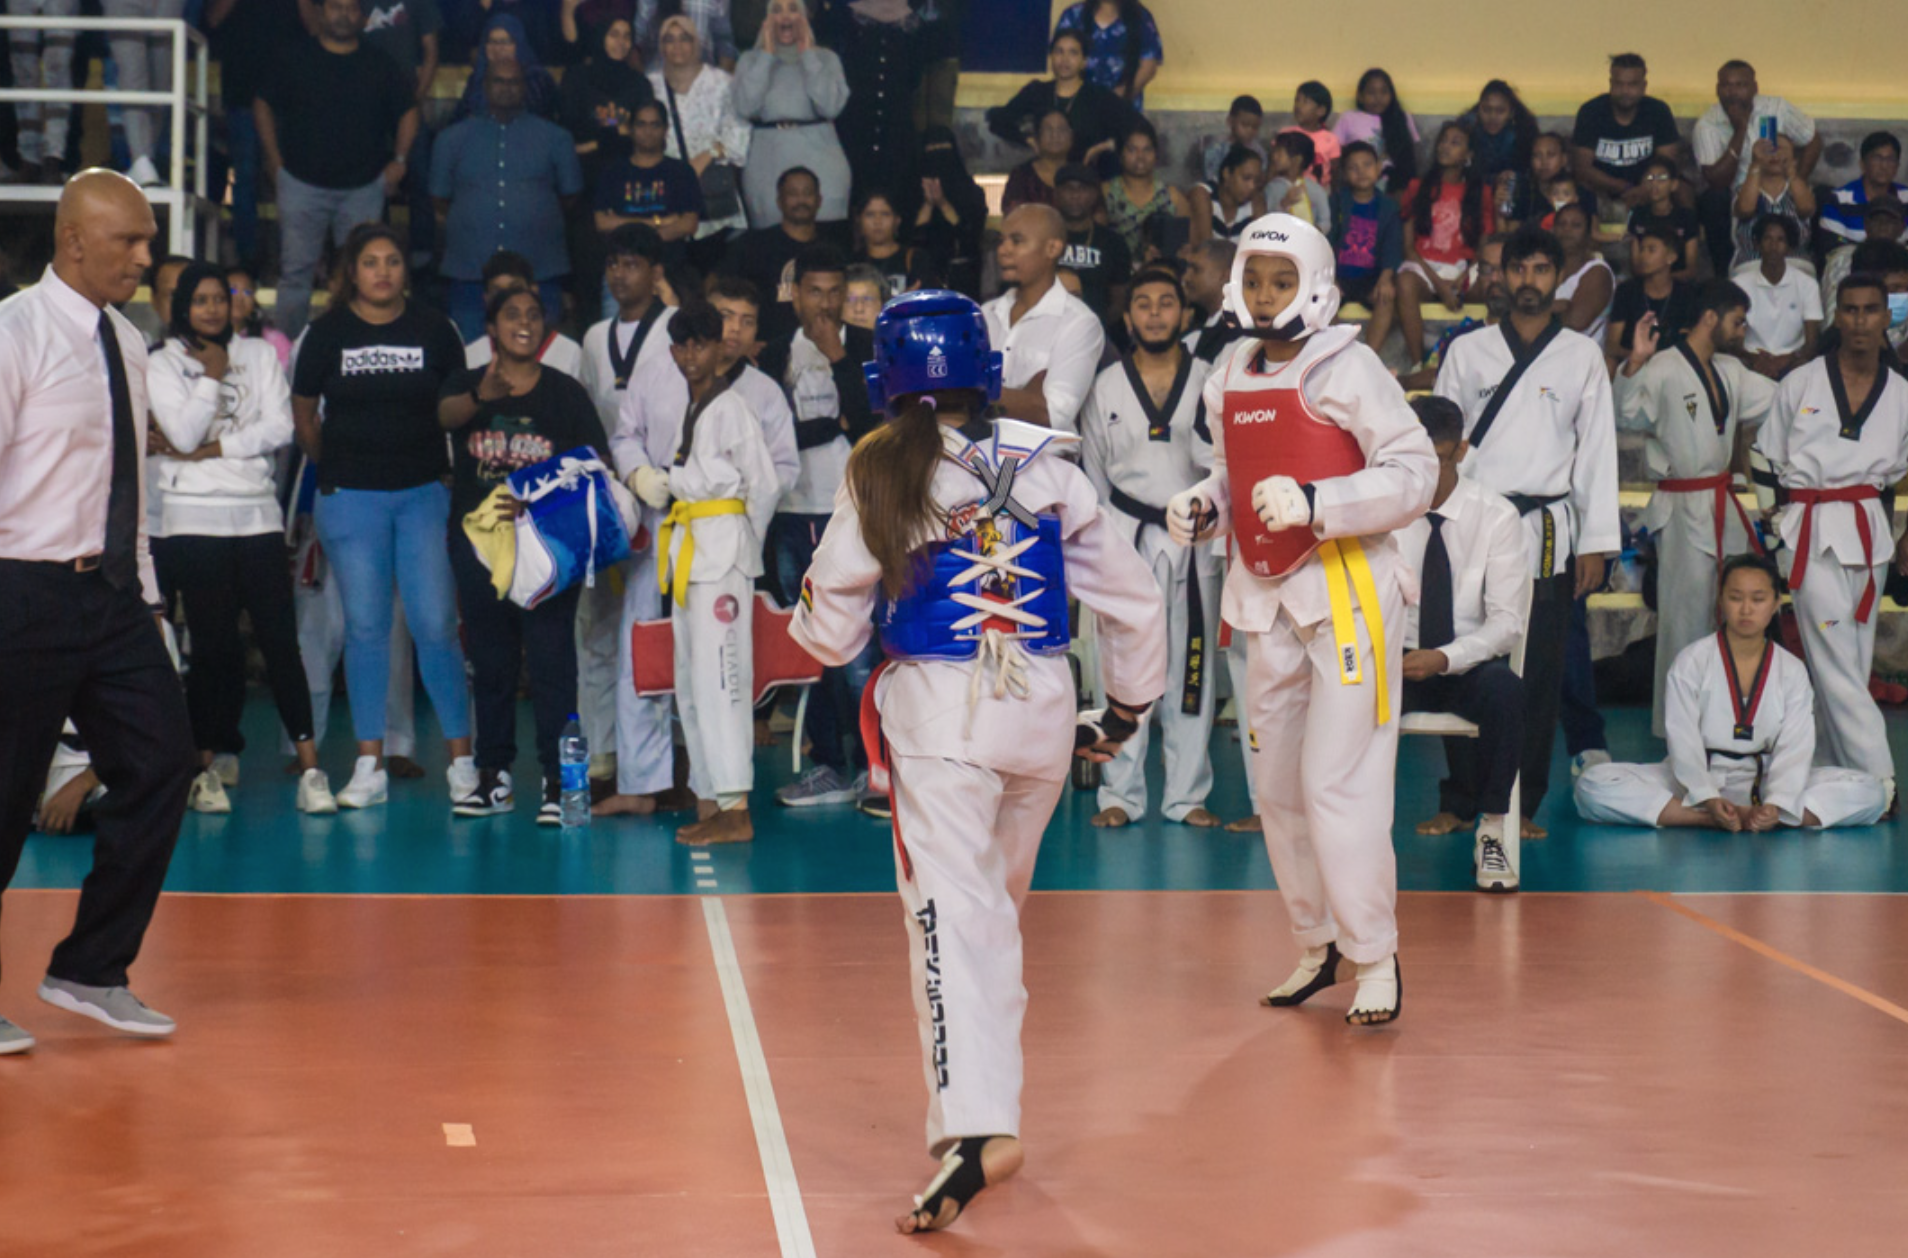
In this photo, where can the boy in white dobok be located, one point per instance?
(1690, 400)
(963, 554)
(1317, 460)
(720, 491)
(1139, 447)
(1834, 443)
(1741, 735)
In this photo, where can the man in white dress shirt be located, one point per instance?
(1541, 428)
(78, 637)
(1050, 341)
(1473, 564)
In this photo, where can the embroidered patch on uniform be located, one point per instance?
(1689, 404)
(808, 593)
(960, 519)
(727, 609)
(1252, 739)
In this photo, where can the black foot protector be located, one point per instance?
(1378, 1001)
(1334, 971)
(959, 1181)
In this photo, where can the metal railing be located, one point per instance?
(187, 206)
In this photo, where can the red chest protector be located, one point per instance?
(1270, 430)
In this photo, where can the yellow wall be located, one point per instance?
(1553, 52)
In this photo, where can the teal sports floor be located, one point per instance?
(414, 846)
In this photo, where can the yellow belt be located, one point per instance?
(1347, 572)
(680, 513)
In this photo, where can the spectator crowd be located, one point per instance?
(663, 231)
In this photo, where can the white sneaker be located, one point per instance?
(1587, 760)
(144, 173)
(368, 785)
(1494, 872)
(225, 764)
(314, 793)
(462, 776)
(208, 794)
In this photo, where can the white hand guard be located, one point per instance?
(1281, 503)
(1189, 517)
(651, 484)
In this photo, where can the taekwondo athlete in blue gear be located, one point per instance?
(965, 559)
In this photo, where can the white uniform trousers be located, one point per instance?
(1238, 655)
(965, 842)
(599, 617)
(1689, 576)
(1323, 771)
(321, 635)
(1840, 653)
(1187, 739)
(1636, 794)
(645, 747)
(715, 683)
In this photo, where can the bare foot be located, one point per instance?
(1531, 830)
(959, 1181)
(403, 767)
(624, 806)
(731, 825)
(706, 808)
(1200, 819)
(1445, 823)
(1110, 819)
(1246, 825)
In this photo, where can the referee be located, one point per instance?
(78, 634)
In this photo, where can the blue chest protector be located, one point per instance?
(1005, 572)
(573, 524)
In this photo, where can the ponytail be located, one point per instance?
(891, 478)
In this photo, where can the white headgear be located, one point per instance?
(1316, 303)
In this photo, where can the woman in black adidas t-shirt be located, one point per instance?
(376, 363)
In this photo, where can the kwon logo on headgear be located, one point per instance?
(936, 364)
(1270, 233)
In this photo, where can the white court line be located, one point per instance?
(778, 1168)
(460, 1136)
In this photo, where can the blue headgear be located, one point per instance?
(929, 341)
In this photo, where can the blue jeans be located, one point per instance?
(465, 300)
(373, 538)
(307, 216)
(241, 138)
(834, 707)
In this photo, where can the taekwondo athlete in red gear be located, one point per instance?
(1317, 459)
(961, 553)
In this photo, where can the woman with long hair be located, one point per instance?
(1447, 214)
(975, 698)
(1137, 197)
(1381, 120)
(1031, 182)
(248, 319)
(878, 243)
(1122, 45)
(1502, 129)
(1585, 283)
(1222, 207)
(225, 409)
(376, 362)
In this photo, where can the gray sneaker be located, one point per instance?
(13, 1039)
(117, 1007)
(820, 785)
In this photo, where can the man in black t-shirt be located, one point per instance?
(1093, 251)
(336, 120)
(765, 257)
(1618, 132)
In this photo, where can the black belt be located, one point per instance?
(1192, 684)
(84, 564)
(788, 125)
(1527, 503)
(1761, 759)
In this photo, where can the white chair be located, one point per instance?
(1449, 724)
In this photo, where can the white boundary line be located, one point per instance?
(778, 1168)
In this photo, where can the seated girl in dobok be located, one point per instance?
(960, 545)
(1740, 716)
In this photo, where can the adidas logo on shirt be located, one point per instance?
(377, 359)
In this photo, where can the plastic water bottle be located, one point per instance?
(573, 757)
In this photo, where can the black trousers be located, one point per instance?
(498, 637)
(1716, 211)
(73, 646)
(1544, 649)
(1479, 771)
(218, 577)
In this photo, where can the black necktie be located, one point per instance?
(1436, 626)
(119, 562)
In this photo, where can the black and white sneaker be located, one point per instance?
(550, 812)
(489, 798)
(1494, 872)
